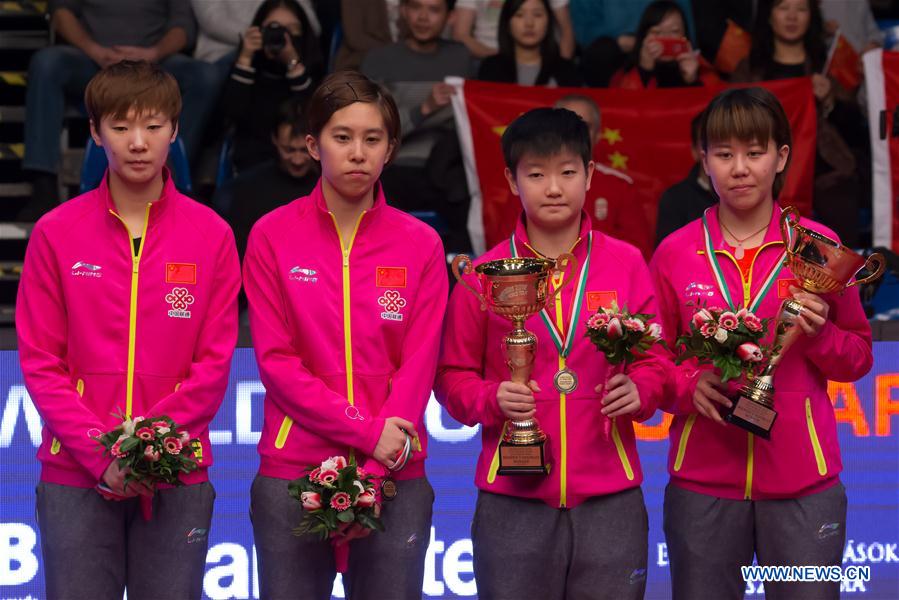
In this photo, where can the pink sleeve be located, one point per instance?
(461, 387)
(298, 392)
(42, 330)
(842, 351)
(651, 372)
(678, 399)
(196, 401)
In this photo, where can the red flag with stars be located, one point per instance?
(645, 135)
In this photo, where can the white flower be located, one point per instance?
(721, 335)
(359, 485)
(128, 427)
(655, 330)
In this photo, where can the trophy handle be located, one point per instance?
(787, 224)
(564, 260)
(466, 269)
(876, 271)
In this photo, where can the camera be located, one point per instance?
(273, 40)
(672, 47)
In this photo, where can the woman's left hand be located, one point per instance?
(688, 63)
(821, 86)
(814, 311)
(288, 52)
(622, 398)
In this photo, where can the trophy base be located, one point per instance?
(752, 416)
(522, 459)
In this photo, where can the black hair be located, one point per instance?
(546, 132)
(549, 48)
(761, 56)
(290, 112)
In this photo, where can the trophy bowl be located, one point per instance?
(820, 264)
(516, 289)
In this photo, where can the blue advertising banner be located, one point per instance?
(866, 412)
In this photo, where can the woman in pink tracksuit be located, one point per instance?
(127, 305)
(731, 494)
(347, 296)
(579, 531)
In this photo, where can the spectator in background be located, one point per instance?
(604, 29)
(612, 200)
(686, 200)
(279, 59)
(711, 28)
(789, 41)
(289, 174)
(651, 64)
(856, 22)
(366, 25)
(476, 24)
(99, 33)
(426, 172)
(528, 52)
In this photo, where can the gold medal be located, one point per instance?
(565, 381)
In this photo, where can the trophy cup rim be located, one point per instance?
(524, 266)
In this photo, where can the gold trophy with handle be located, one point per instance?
(516, 289)
(821, 266)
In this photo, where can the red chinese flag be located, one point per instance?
(844, 65)
(391, 277)
(882, 83)
(735, 46)
(645, 135)
(180, 273)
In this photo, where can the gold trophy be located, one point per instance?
(821, 266)
(515, 288)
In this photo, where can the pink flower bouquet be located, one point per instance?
(152, 449)
(622, 336)
(729, 340)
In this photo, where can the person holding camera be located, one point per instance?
(279, 59)
(662, 54)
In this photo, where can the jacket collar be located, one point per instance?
(522, 242)
(772, 235)
(168, 192)
(318, 197)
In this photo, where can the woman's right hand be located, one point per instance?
(251, 42)
(708, 394)
(516, 400)
(393, 439)
(650, 52)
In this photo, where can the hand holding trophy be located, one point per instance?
(821, 266)
(516, 289)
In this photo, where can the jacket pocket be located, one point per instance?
(813, 437)
(281, 438)
(55, 446)
(682, 444)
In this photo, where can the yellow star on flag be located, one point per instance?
(611, 135)
(499, 130)
(618, 160)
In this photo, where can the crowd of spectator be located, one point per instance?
(246, 67)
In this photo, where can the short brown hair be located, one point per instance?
(750, 115)
(342, 88)
(126, 85)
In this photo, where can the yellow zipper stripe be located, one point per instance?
(682, 444)
(286, 424)
(622, 454)
(132, 315)
(347, 327)
(55, 445)
(563, 425)
(750, 463)
(813, 434)
(494, 464)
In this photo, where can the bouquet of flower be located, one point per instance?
(335, 495)
(153, 450)
(622, 336)
(729, 340)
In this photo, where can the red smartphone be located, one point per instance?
(672, 47)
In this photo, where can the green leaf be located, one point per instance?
(346, 516)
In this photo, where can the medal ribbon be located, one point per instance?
(564, 345)
(715, 267)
